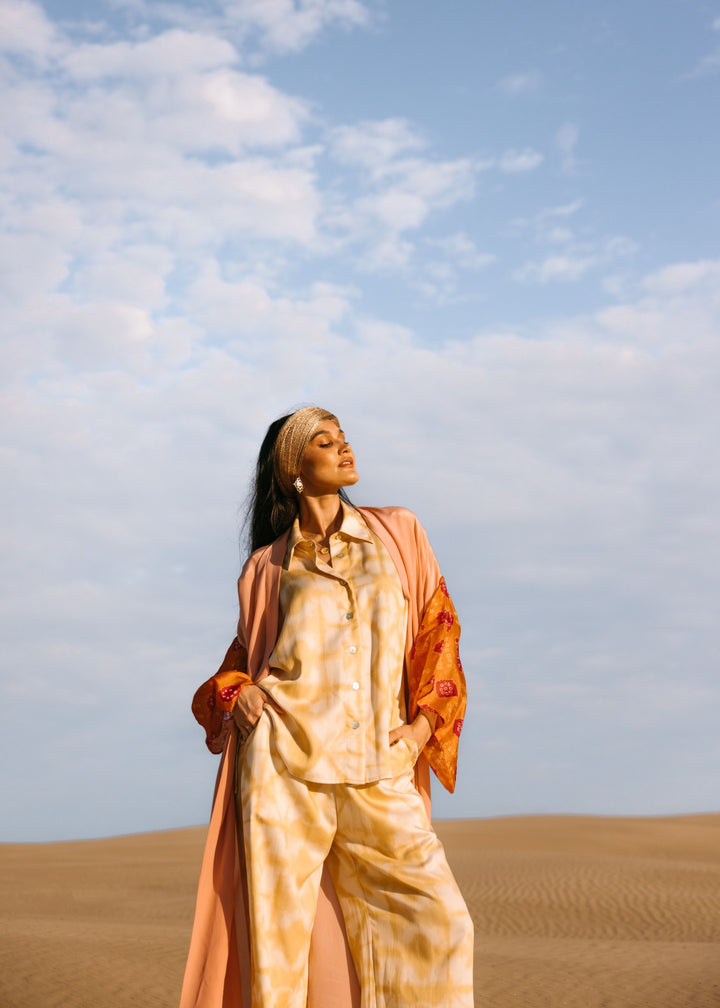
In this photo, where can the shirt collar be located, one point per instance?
(353, 524)
(353, 527)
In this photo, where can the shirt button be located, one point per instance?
(356, 685)
(352, 649)
(348, 615)
(355, 724)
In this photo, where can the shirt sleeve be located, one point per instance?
(437, 683)
(214, 701)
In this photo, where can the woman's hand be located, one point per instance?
(419, 731)
(248, 708)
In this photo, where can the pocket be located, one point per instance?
(407, 752)
(245, 743)
(413, 748)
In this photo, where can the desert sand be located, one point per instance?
(570, 912)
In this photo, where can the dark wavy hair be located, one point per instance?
(269, 511)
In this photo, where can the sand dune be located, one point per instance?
(570, 912)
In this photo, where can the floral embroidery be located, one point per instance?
(228, 693)
(216, 697)
(437, 683)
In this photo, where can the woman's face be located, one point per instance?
(328, 463)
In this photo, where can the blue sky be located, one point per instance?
(487, 237)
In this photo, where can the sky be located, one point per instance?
(486, 236)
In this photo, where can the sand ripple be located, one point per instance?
(580, 912)
(570, 912)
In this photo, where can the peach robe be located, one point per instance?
(217, 974)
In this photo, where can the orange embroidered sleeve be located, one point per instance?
(437, 683)
(213, 702)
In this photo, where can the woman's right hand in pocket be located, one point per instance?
(248, 708)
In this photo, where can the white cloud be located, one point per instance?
(25, 29)
(179, 87)
(682, 277)
(262, 28)
(565, 256)
(172, 228)
(408, 190)
(544, 222)
(576, 261)
(555, 267)
(170, 124)
(676, 315)
(394, 209)
(566, 140)
(388, 149)
(110, 153)
(290, 25)
(131, 274)
(375, 144)
(462, 251)
(257, 110)
(401, 189)
(390, 253)
(440, 274)
(519, 83)
(709, 64)
(564, 210)
(245, 312)
(580, 475)
(558, 235)
(517, 162)
(173, 53)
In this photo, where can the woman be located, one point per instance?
(323, 882)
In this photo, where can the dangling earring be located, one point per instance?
(299, 485)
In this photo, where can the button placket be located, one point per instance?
(355, 705)
(342, 546)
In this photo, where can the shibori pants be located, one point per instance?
(410, 934)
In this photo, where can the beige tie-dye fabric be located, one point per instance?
(337, 666)
(320, 783)
(421, 938)
(409, 931)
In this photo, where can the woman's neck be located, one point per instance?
(320, 516)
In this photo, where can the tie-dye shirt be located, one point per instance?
(337, 667)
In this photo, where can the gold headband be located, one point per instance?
(292, 441)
